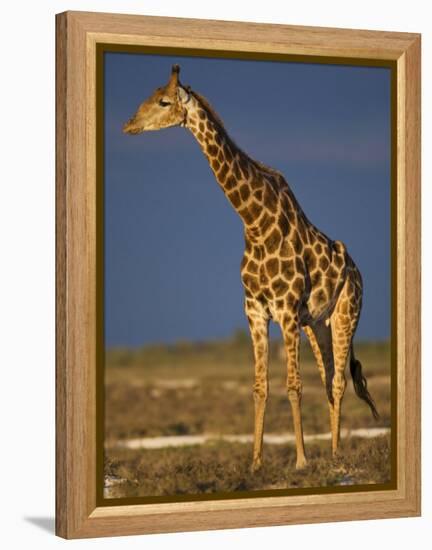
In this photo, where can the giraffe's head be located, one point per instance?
(166, 107)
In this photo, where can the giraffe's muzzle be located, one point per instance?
(131, 127)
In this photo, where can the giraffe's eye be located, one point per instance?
(163, 103)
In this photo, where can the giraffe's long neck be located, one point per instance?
(240, 178)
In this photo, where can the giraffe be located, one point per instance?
(292, 273)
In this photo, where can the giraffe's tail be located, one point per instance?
(360, 383)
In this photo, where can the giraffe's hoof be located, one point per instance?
(256, 465)
(301, 463)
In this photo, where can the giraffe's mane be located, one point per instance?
(217, 119)
(205, 103)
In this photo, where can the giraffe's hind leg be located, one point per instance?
(343, 324)
(321, 345)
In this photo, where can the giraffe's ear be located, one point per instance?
(183, 95)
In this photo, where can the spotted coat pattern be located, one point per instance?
(291, 271)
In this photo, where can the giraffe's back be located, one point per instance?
(292, 262)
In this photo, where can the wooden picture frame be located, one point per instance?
(79, 35)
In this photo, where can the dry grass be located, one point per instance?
(207, 388)
(224, 467)
(219, 407)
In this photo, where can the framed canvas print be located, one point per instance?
(238, 274)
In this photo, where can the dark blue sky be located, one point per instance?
(173, 243)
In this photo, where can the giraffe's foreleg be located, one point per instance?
(258, 324)
(291, 335)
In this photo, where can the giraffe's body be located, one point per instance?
(291, 272)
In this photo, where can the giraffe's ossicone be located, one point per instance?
(291, 272)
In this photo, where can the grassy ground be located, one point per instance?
(224, 467)
(207, 388)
